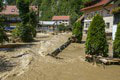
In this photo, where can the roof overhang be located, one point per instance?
(109, 2)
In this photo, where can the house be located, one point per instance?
(116, 13)
(96, 7)
(65, 20)
(12, 14)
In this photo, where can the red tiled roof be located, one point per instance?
(12, 10)
(61, 18)
(102, 2)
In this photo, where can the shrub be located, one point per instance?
(61, 28)
(78, 31)
(96, 43)
(116, 44)
(24, 32)
(3, 36)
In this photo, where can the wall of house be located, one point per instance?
(64, 22)
(116, 20)
(108, 17)
(109, 23)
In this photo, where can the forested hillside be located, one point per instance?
(11, 2)
(50, 8)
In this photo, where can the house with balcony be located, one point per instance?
(65, 20)
(12, 14)
(116, 13)
(96, 7)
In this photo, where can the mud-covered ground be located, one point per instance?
(69, 66)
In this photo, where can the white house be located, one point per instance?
(65, 20)
(116, 4)
(96, 7)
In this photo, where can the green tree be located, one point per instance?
(3, 36)
(1, 5)
(78, 31)
(33, 22)
(26, 30)
(23, 31)
(49, 8)
(96, 43)
(23, 6)
(11, 2)
(116, 44)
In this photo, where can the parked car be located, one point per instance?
(10, 28)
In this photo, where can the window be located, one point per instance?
(12, 10)
(87, 25)
(108, 25)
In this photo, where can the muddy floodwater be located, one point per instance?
(70, 65)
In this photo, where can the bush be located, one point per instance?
(116, 44)
(96, 43)
(24, 32)
(61, 28)
(78, 31)
(3, 36)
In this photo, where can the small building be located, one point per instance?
(65, 20)
(96, 7)
(12, 14)
(47, 26)
(116, 4)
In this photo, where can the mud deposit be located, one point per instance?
(70, 65)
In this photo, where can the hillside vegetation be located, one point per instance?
(49, 8)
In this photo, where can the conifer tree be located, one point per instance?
(3, 36)
(116, 44)
(23, 6)
(96, 43)
(78, 31)
(25, 29)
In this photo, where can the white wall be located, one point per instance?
(110, 21)
(66, 23)
(114, 31)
